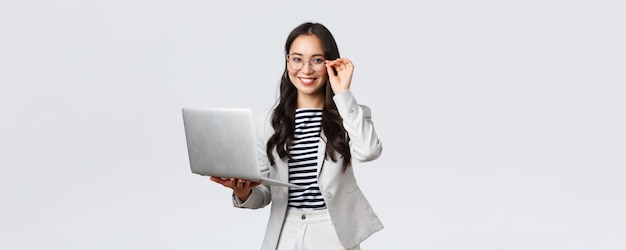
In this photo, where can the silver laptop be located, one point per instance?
(221, 142)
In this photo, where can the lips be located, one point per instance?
(306, 81)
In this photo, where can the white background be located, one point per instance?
(502, 121)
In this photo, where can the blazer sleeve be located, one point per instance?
(357, 121)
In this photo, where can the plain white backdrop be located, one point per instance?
(502, 121)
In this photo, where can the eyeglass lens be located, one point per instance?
(296, 62)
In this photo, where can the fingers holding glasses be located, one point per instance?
(342, 80)
(341, 63)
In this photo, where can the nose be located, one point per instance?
(307, 67)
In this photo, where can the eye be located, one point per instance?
(296, 59)
(317, 60)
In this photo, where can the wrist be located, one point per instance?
(339, 90)
(243, 196)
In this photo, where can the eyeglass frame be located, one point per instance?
(302, 62)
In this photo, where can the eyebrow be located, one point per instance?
(314, 55)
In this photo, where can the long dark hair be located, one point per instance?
(285, 112)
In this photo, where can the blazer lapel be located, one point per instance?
(282, 166)
(321, 153)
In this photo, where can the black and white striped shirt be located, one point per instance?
(303, 166)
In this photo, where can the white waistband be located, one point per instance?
(307, 215)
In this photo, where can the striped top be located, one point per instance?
(303, 165)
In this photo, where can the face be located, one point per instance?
(306, 51)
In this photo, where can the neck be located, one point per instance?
(308, 101)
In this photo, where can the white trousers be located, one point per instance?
(309, 230)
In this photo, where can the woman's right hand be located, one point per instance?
(242, 188)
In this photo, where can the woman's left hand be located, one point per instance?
(341, 81)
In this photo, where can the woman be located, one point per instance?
(311, 137)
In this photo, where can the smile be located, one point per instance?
(306, 81)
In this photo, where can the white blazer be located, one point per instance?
(349, 210)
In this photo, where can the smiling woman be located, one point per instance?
(307, 76)
(309, 139)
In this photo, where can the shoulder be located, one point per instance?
(263, 114)
(263, 118)
(348, 106)
(367, 112)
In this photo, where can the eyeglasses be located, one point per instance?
(296, 62)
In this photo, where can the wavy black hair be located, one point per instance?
(283, 117)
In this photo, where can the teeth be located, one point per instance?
(307, 80)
